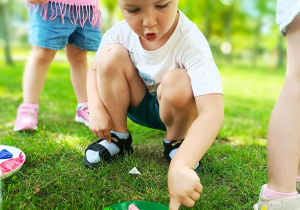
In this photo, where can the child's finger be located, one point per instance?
(195, 196)
(107, 136)
(174, 204)
(93, 132)
(96, 133)
(188, 202)
(199, 188)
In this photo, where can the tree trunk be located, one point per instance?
(4, 31)
(228, 31)
(255, 51)
(208, 21)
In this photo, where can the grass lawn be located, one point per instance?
(233, 169)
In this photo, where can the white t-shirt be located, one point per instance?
(186, 48)
(286, 12)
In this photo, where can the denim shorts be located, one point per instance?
(147, 113)
(54, 35)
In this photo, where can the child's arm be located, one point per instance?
(99, 120)
(183, 182)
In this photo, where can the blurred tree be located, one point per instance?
(4, 30)
(217, 20)
(237, 30)
(229, 13)
(263, 8)
(110, 6)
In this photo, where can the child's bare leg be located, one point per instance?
(35, 73)
(284, 126)
(119, 87)
(79, 67)
(119, 84)
(298, 174)
(176, 103)
(33, 81)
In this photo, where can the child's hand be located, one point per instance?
(184, 186)
(100, 124)
(37, 1)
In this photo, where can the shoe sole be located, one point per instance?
(81, 120)
(89, 165)
(25, 129)
(255, 206)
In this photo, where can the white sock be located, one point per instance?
(80, 105)
(113, 149)
(172, 153)
(121, 135)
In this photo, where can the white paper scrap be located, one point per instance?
(134, 171)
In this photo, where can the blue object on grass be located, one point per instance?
(4, 154)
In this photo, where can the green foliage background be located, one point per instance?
(248, 26)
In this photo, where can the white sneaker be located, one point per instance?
(277, 203)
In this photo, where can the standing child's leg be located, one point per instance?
(35, 73)
(284, 126)
(33, 81)
(83, 38)
(298, 179)
(284, 134)
(79, 67)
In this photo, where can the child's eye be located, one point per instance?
(162, 6)
(133, 10)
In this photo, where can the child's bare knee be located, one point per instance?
(176, 88)
(111, 58)
(43, 55)
(112, 51)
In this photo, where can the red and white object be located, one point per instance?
(8, 167)
(133, 207)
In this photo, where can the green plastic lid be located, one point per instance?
(142, 205)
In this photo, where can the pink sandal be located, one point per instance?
(27, 117)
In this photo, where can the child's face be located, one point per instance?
(153, 20)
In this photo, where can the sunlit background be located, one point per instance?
(239, 31)
(250, 53)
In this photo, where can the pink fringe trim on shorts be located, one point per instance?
(75, 12)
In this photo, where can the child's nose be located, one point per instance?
(149, 20)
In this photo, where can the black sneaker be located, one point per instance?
(170, 146)
(173, 145)
(123, 144)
